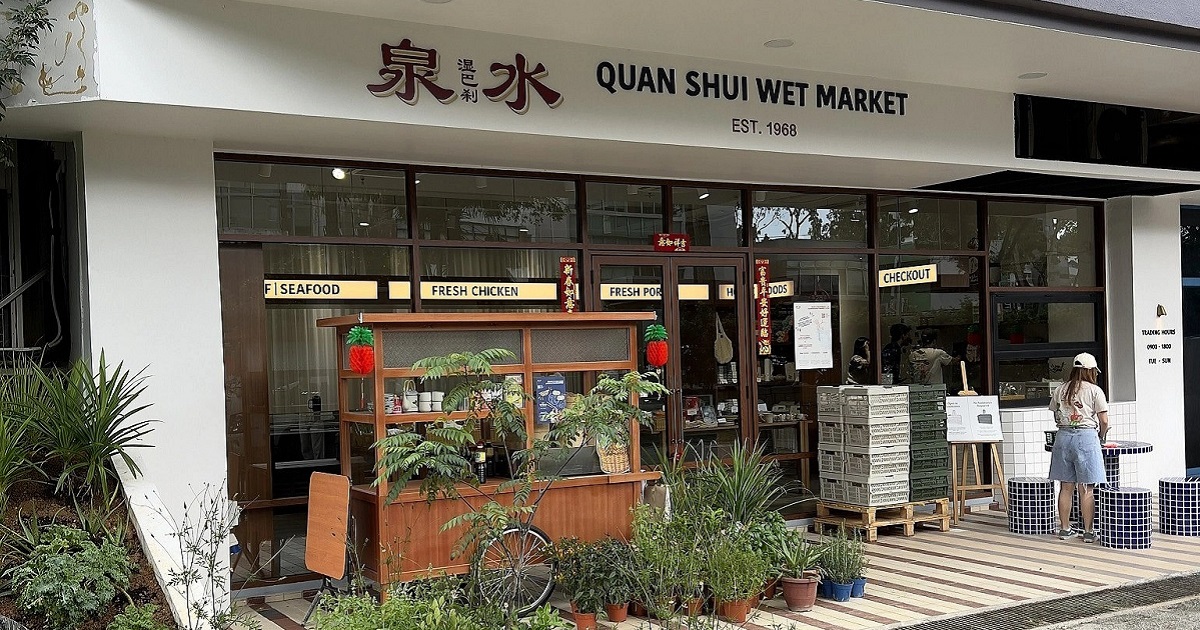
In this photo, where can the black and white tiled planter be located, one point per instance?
(1127, 520)
(1179, 506)
(1031, 506)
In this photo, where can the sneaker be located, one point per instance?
(1089, 537)
(1067, 534)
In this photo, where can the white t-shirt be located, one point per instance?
(927, 364)
(1083, 412)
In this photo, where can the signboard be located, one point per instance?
(630, 291)
(550, 397)
(813, 335)
(400, 290)
(922, 274)
(783, 288)
(568, 285)
(666, 242)
(533, 291)
(321, 289)
(762, 305)
(973, 419)
(693, 292)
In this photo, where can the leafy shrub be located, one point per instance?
(69, 578)
(434, 604)
(15, 458)
(137, 618)
(85, 419)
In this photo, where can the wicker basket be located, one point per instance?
(614, 459)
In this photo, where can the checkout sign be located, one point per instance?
(923, 274)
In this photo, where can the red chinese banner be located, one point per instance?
(568, 286)
(665, 242)
(762, 304)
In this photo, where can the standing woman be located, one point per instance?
(858, 371)
(1081, 413)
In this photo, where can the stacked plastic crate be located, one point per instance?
(875, 445)
(929, 472)
(831, 459)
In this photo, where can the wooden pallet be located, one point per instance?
(870, 519)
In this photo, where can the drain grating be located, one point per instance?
(1071, 607)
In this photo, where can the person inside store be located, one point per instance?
(892, 357)
(928, 361)
(858, 371)
(1081, 413)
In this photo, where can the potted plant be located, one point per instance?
(859, 565)
(580, 571)
(737, 574)
(602, 416)
(767, 534)
(800, 577)
(616, 577)
(842, 562)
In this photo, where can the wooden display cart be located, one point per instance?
(405, 539)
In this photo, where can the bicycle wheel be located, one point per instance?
(516, 569)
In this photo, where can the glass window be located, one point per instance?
(786, 219)
(932, 327)
(1037, 338)
(1045, 322)
(1042, 245)
(711, 216)
(788, 391)
(336, 260)
(286, 199)
(624, 214)
(481, 208)
(515, 279)
(928, 223)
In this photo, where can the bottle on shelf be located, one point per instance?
(479, 457)
(490, 451)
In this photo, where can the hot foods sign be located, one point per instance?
(406, 70)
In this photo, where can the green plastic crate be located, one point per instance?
(927, 406)
(929, 495)
(926, 393)
(927, 481)
(928, 435)
(933, 464)
(927, 422)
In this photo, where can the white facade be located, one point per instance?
(170, 82)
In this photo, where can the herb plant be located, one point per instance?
(136, 617)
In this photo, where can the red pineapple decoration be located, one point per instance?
(656, 345)
(362, 349)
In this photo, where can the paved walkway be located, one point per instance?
(976, 565)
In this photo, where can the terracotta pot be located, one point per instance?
(638, 610)
(616, 612)
(585, 621)
(695, 606)
(770, 590)
(800, 594)
(735, 611)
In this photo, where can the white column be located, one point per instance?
(1143, 272)
(154, 299)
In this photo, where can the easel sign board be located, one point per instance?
(328, 513)
(973, 419)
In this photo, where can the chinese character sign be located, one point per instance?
(762, 305)
(408, 69)
(671, 242)
(568, 274)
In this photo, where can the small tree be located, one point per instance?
(26, 23)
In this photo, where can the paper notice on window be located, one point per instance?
(813, 335)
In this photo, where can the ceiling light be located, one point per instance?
(778, 43)
(703, 193)
(523, 230)
(914, 210)
(264, 170)
(417, 180)
(363, 224)
(1031, 75)
(338, 173)
(480, 181)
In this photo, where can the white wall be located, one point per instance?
(154, 297)
(1144, 272)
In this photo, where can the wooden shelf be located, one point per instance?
(777, 425)
(412, 491)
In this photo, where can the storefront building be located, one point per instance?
(247, 168)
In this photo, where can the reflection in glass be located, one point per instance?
(479, 208)
(335, 260)
(287, 199)
(1032, 380)
(932, 327)
(1042, 245)
(787, 219)
(928, 223)
(711, 216)
(708, 317)
(624, 214)
(1045, 322)
(508, 266)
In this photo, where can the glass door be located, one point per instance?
(704, 307)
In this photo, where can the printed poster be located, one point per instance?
(813, 335)
(973, 419)
(550, 397)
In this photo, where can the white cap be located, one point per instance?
(1086, 360)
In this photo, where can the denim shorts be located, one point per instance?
(1076, 457)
